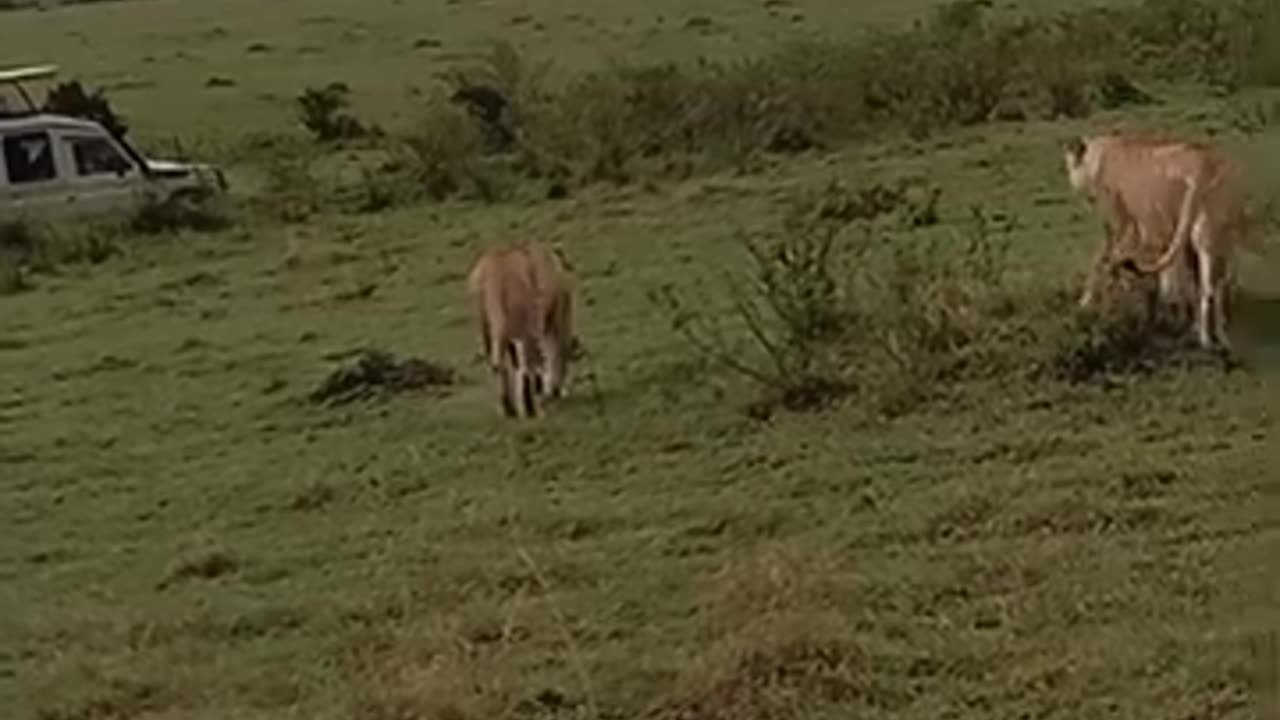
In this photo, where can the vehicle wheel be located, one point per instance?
(188, 197)
(194, 208)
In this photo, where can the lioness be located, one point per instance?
(1124, 177)
(525, 309)
(1146, 186)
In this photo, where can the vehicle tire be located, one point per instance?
(196, 208)
(187, 196)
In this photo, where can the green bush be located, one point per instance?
(46, 247)
(70, 98)
(501, 120)
(829, 307)
(1257, 46)
(839, 303)
(30, 247)
(291, 193)
(444, 157)
(627, 122)
(1221, 42)
(322, 111)
(17, 245)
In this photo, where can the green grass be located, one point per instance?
(185, 536)
(161, 55)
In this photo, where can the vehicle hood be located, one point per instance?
(174, 169)
(170, 167)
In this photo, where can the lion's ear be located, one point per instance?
(1074, 145)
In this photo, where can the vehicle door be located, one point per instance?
(35, 188)
(100, 176)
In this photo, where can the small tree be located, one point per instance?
(70, 98)
(321, 111)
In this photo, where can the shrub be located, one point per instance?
(1223, 43)
(27, 247)
(498, 91)
(1256, 47)
(500, 119)
(626, 122)
(815, 300)
(444, 157)
(377, 190)
(489, 108)
(91, 243)
(17, 245)
(790, 307)
(70, 98)
(503, 95)
(322, 112)
(291, 193)
(938, 311)
(838, 303)
(45, 247)
(1116, 90)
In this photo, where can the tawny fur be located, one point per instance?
(524, 306)
(1168, 196)
(1119, 175)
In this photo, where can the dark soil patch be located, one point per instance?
(374, 373)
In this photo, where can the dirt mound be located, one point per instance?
(374, 373)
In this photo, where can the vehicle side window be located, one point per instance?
(96, 156)
(29, 158)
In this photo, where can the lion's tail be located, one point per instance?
(1181, 233)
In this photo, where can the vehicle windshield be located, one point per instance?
(132, 152)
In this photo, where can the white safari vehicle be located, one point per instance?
(56, 166)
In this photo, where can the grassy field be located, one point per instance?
(386, 50)
(187, 536)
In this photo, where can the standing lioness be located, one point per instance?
(525, 310)
(1179, 198)
(1137, 185)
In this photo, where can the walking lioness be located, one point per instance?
(1138, 204)
(525, 310)
(1176, 198)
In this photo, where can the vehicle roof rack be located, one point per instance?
(16, 76)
